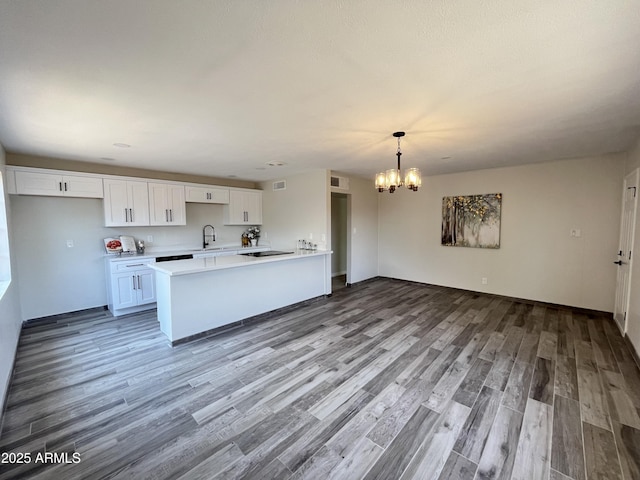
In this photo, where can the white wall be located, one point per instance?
(305, 207)
(301, 211)
(633, 313)
(56, 279)
(10, 317)
(538, 259)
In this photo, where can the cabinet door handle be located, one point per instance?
(171, 214)
(166, 215)
(60, 185)
(136, 265)
(139, 285)
(126, 215)
(65, 186)
(131, 214)
(134, 282)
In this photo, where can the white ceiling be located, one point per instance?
(220, 87)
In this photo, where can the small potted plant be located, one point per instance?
(253, 234)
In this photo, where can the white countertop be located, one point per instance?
(198, 265)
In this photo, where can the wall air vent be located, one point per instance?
(340, 182)
(280, 185)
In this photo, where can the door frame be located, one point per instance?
(347, 232)
(625, 247)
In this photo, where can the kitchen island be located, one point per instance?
(202, 294)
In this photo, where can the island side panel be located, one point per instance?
(163, 294)
(207, 300)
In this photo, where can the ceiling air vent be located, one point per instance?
(280, 185)
(340, 182)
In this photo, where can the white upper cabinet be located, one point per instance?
(126, 203)
(57, 185)
(207, 195)
(245, 208)
(167, 204)
(132, 202)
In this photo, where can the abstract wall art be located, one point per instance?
(472, 220)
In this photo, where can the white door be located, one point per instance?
(124, 287)
(177, 206)
(158, 204)
(138, 200)
(116, 206)
(627, 230)
(30, 183)
(253, 206)
(236, 209)
(86, 187)
(146, 286)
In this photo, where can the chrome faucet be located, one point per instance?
(211, 236)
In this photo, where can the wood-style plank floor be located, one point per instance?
(385, 380)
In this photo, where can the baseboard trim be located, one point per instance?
(246, 321)
(632, 349)
(60, 317)
(526, 301)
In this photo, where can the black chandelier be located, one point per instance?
(392, 178)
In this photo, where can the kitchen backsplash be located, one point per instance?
(198, 215)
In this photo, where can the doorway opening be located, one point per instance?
(340, 240)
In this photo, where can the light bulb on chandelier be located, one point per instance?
(392, 178)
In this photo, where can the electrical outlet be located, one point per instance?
(150, 238)
(484, 280)
(324, 237)
(311, 236)
(575, 232)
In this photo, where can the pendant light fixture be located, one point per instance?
(392, 178)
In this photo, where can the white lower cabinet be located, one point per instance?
(132, 285)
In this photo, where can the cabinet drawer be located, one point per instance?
(129, 266)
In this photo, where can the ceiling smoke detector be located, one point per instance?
(276, 163)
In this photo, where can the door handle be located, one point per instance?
(134, 282)
(619, 262)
